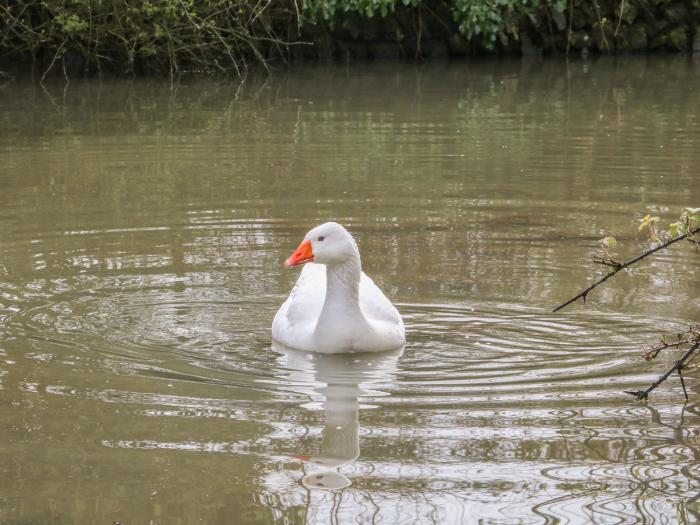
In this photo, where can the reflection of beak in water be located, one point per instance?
(342, 377)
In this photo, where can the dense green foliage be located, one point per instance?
(226, 35)
(483, 20)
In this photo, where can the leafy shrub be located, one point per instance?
(486, 21)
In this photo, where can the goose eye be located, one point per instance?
(321, 238)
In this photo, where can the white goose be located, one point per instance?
(334, 307)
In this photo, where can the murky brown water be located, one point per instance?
(142, 231)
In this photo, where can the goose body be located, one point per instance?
(334, 307)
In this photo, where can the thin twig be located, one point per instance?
(570, 31)
(653, 352)
(604, 40)
(685, 392)
(624, 265)
(692, 333)
(58, 51)
(606, 261)
(296, 9)
(619, 20)
(419, 35)
(644, 394)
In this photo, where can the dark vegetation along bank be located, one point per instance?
(171, 36)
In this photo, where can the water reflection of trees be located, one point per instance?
(515, 164)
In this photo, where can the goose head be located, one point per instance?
(328, 244)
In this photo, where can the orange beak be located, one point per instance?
(301, 255)
(300, 458)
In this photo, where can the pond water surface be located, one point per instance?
(142, 231)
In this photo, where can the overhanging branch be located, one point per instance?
(626, 264)
(678, 367)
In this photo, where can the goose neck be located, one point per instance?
(343, 284)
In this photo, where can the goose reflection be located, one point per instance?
(341, 381)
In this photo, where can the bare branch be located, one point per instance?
(677, 367)
(53, 61)
(626, 264)
(692, 333)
